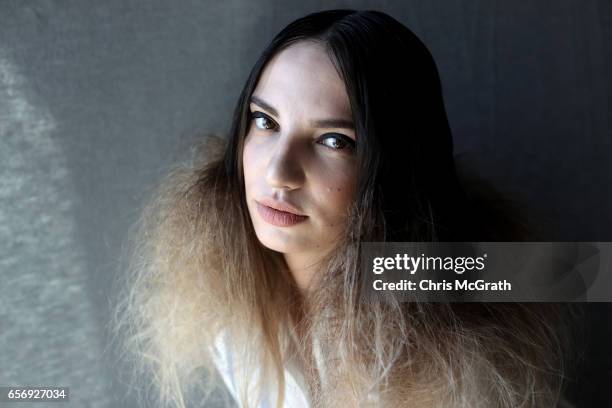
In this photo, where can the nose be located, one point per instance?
(285, 170)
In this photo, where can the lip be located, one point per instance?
(278, 217)
(280, 206)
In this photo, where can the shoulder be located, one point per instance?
(222, 358)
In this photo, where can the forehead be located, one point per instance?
(303, 76)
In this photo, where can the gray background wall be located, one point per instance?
(97, 99)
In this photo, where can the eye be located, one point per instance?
(263, 121)
(337, 141)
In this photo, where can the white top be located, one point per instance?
(296, 395)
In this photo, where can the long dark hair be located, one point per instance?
(408, 189)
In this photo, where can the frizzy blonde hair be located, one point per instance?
(197, 271)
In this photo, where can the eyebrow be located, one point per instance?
(321, 123)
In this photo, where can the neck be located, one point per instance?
(303, 267)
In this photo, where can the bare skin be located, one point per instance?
(299, 151)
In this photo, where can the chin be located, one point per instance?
(277, 242)
(277, 245)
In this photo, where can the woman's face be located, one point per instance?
(299, 156)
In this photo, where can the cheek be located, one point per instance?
(334, 190)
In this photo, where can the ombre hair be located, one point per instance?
(199, 273)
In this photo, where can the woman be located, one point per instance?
(248, 263)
